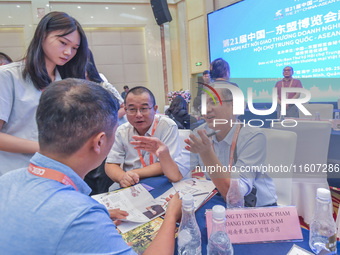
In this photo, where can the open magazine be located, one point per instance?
(142, 207)
(200, 189)
(137, 201)
(140, 238)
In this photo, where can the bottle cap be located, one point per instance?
(317, 115)
(187, 199)
(218, 212)
(323, 194)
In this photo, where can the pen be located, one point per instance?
(213, 133)
(199, 194)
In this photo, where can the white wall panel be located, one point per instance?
(135, 73)
(114, 73)
(107, 54)
(134, 54)
(133, 36)
(12, 42)
(107, 37)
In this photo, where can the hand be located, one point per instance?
(128, 179)
(174, 208)
(200, 144)
(116, 215)
(150, 144)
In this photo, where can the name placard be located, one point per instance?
(262, 224)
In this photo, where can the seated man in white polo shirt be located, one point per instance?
(140, 106)
(215, 152)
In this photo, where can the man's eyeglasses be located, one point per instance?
(133, 111)
(212, 103)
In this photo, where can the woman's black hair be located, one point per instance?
(5, 58)
(177, 104)
(91, 69)
(35, 58)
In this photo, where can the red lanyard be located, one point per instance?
(51, 174)
(283, 86)
(151, 155)
(233, 146)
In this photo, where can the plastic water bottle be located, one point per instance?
(189, 235)
(282, 117)
(219, 242)
(234, 197)
(322, 235)
(336, 121)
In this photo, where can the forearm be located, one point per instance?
(114, 172)
(149, 171)
(222, 185)
(15, 144)
(165, 239)
(221, 179)
(297, 95)
(169, 167)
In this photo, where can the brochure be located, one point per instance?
(137, 201)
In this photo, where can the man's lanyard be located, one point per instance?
(151, 155)
(51, 174)
(233, 146)
(291, 82)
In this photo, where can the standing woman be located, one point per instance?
(58, 50)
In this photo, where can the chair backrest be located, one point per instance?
(281, 146)
(312, 140)
(325, 110)
(183, 134)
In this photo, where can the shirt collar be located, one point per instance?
(228, 138)
(149, 132)
(57, 75)
(43, 161)
(285, 80)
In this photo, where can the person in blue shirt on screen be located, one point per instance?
(45, 208)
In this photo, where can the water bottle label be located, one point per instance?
(331, 243)
(184, 237)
